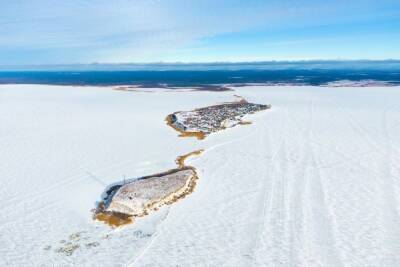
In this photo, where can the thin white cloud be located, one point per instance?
(142, 30)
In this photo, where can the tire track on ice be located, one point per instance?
(153, 238)
(265, 200)
(322, 218)
(318, 210)
(296, 209)
(385, 183)
(389, 186)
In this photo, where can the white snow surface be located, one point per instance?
(315, 181)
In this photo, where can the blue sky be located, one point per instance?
(87, 31)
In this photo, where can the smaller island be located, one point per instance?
(124, 201)
(203, 121)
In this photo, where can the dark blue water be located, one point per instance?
(201, 75)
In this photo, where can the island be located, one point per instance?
(201, 122)
(135, 198)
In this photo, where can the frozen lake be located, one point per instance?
(315, 181)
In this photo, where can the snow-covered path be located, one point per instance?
(312, 182)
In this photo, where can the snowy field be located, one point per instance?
(315, 181)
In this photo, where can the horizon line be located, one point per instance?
(204, 62)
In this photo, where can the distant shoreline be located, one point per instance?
(212, 80)
(214, 87)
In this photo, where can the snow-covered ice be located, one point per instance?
(312, 182)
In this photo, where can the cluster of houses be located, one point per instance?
(214, 118)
